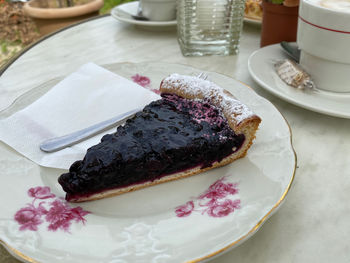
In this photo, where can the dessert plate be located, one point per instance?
(261, 68)
(125, 11)
(192, 219)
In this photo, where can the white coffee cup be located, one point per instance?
(324, 40)
(159, 10)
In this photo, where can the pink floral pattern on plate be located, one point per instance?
(144, 81)
(214, 201)
(45, 207)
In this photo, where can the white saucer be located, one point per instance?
(261, 68)
(125, 11)
(254, 21)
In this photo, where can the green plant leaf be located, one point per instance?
(4, 48)
(109, 4)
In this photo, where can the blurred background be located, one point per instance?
(17, 30)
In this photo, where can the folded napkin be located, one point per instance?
(88, 96)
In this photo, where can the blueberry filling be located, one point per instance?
(170, 135)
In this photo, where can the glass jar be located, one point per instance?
(209, 27)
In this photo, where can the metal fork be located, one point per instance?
(59, 143)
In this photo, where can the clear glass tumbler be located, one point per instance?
(209, 27)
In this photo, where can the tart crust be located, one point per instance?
(240, 119)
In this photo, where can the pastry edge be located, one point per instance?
(237, 113)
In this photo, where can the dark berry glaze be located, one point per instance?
(170, 135)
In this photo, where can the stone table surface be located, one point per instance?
(312, 225)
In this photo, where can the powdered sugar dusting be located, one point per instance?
(200, 109)
(195, 87)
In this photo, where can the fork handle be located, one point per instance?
(59, 143)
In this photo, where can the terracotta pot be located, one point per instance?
(52, 19)
(279, 24)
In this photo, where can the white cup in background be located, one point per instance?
(159, 10)
(324, 40)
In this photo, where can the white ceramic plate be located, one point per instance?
(186, 220)
(125, 11)
(261, 68)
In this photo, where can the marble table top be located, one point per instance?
(312, 225)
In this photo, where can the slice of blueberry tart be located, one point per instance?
(196, 126)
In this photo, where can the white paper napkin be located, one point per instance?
(88, 96)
